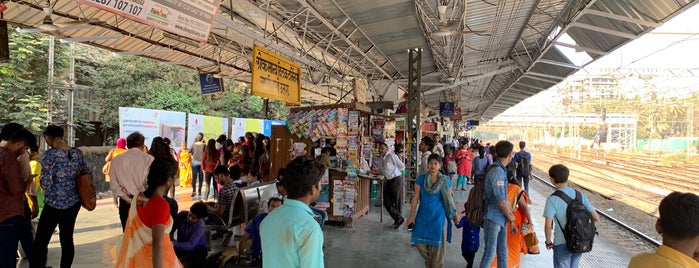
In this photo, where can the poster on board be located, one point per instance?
(211, 126)
(153, 123)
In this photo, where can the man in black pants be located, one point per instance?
(128, 174)
(391, 168)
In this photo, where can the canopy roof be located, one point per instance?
(485, 55)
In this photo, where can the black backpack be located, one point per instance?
(475, 210)
(524, 168)
(580, 229)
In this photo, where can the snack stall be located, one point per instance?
(343, 128)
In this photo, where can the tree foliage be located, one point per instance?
(114, 82)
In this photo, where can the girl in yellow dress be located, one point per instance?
(185, 166)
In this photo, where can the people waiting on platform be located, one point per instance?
(225, 176)
(434, 204)
(679, 226)
(438, 146)
(12, 213)
(191, 245)
(210, 160)
(293, 220)
(128, 173)
(185, 166)
(555, 211)
(523, 173)
(61, 165)
(197, 152)
(498, 213)
(464, 158)
(252, 232)
(119, 149)
(146, 241)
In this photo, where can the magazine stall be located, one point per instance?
(345, 192)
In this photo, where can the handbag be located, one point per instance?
(86, 192)
(532, 242)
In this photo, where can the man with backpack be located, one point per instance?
(497, 210)
(523, 160)
(574, 219)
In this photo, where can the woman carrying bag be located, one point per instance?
(61, 165)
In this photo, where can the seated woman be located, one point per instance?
(146, 242)
(191, 246)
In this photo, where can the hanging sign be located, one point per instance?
(275, 77)
(446, 109)
(457, 114)
(209, 84)
(191, 19)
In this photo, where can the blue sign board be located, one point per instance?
(210, 84)
(446, 109)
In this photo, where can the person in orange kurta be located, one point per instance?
(146, 241)
(518, 200)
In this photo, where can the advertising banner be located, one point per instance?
(189, 18)
(153, 123)
(275, 77)
(211, 126)
(242, 125)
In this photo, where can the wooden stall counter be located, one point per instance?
(361, 202)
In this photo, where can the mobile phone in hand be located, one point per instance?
(410, 227)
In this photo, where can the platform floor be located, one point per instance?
(369, 243)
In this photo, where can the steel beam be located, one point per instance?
(332, 27)
(622, 18)
(562, 64)
(413, 119)
(472, 79)
(605, 30)
(586, 49)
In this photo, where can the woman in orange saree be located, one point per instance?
(517, 199)
(146, 240)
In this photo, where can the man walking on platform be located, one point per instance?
(498, 211)
(556, 210)
(128, 174)
(391, 169)
(425, 147)
(523, 159)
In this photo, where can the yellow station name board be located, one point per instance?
(275, 77)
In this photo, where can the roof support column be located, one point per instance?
(412, 121)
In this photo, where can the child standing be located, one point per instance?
(470, 241)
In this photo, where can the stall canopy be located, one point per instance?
(485, 56)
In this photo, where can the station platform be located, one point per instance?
(369, 243)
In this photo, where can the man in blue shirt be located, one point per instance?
(291, 238)
(252, 231)
(555, 211)
(524, 180)
(498, 212)
(191, 247)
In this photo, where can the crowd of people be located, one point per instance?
(155, 234)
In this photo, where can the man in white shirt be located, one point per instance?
(438, 147)
(426, 146)
(128, 173)
(392, 168)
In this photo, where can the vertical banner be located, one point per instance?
(275, 77)
(153, 123)
(211, 126)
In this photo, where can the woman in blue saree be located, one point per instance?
(433, 194)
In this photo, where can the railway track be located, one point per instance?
(638, 234)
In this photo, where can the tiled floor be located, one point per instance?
(368, 244)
